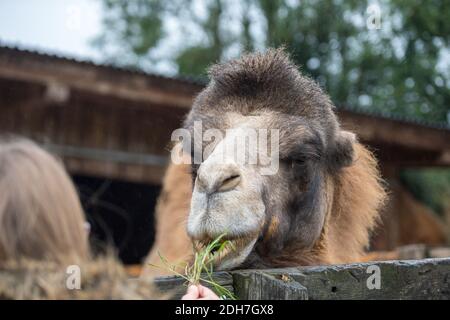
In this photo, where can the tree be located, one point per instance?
(401, 68)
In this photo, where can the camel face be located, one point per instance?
(264, 162)
(249, 184)
(229, 187)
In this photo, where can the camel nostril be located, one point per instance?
(229, 183)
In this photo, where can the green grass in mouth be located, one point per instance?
(204, 256)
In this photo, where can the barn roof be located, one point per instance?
(191, 81)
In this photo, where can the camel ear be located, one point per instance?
(342, 153)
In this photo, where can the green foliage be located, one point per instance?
(195, 60)
(401, 68)
(430, 186)
(136, 26)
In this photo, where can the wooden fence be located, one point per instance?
(400, 279)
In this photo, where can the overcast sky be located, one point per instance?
(64, 27)
(68, 26)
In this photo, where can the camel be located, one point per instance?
(318, 207)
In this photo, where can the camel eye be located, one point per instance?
(298, 163)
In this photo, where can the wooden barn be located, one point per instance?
(112, 127)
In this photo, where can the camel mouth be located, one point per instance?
(229, 253)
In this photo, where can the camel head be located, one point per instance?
(265, 147)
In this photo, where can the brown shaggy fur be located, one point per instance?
(359, 196)
(172, 241)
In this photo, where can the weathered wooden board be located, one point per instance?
(264, 286)
(421, 251)
(411, 279)
(439, 252)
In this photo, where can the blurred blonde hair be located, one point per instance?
(40, 213)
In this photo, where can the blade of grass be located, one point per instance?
(203, 263)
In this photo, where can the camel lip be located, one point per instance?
(231, 255)
(236, 243)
